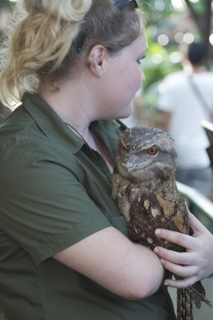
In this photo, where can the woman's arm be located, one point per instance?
(119, 265)
(193, 265)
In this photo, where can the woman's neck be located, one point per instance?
(76, 110)
(70, 108)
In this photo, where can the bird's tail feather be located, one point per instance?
(198, 295)
(185, 297)
(184, 305)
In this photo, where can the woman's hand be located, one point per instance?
(193, 265)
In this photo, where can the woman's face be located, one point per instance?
(124, 78)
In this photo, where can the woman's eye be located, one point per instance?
(152, 151)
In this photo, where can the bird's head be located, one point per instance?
(146, 153)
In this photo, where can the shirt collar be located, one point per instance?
(54, 128)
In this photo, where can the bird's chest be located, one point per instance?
(146, 210)
(147, 213)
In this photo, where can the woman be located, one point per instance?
(64, 249)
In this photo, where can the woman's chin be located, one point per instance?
(127, 113)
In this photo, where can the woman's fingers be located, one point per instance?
(182, 258)
(181, 239)
(180, 270)
(195, 262)
(183, 283)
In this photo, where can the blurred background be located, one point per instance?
(171, 25)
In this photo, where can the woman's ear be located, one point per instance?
(97, 59)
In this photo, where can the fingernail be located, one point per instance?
(162, 261)
(166, 283)
(157, 231)
(156, 250)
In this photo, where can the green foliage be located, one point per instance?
(157, 64)
(5, 3)
(199, 7)
(156, 10)
(160, 15)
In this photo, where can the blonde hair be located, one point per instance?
(44, 35)
(53, 36)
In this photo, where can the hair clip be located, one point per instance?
(123, 3)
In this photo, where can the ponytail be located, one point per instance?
(39, 43)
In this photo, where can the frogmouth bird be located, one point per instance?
(145, 190)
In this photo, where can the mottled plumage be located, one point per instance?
(145, 190)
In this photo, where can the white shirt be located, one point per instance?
(178, 97)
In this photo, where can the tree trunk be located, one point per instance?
(203, 23)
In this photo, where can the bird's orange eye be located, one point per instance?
(152, 151)
(123, 148)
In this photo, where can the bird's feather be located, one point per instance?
(144, 188)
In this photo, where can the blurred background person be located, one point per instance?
(186, 98)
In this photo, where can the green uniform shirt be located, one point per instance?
(55, 191)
